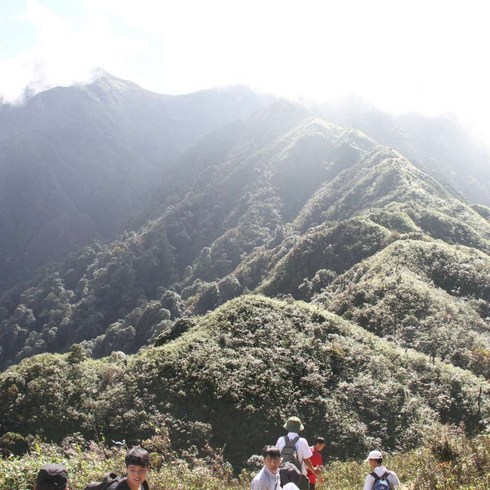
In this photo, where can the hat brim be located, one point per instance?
(290, 429)
(369, 459)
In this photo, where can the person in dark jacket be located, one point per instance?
(52, 477)
(138, 466)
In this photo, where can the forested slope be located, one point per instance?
(437, 145)
(76, 163)
(283, 204)
(247, 365)
(283, 265)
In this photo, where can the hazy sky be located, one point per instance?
(429, 56)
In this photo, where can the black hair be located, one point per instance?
(320, 440)
(271, 451)
(137, 456)
(379, 461)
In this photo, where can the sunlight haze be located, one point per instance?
(419, 56)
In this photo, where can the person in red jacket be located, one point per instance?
(316, 461)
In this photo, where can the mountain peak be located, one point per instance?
(109, 83)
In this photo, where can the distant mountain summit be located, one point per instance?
(77, 162)
(437, 145)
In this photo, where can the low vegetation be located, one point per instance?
(286, 266)
(250, 363)
(448, 459)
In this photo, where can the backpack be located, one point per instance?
(381, 482)
(288, 452)
(106, 482)
(290, 469)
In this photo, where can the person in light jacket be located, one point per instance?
(375, 460)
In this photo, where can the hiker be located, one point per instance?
(268, 477)
(138, 466)
(380, 478)
(52, 477)
(295, 449)
(317, 461)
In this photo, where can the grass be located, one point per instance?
(448, 460)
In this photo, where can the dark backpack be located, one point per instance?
(381, 482)
(106, 482)
(290, 470)
(288, 452)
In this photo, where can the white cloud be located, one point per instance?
(67, 50)
(400, 56)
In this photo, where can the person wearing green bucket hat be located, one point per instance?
(293, 424)
(296, 454)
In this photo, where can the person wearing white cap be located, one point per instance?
(380, 478)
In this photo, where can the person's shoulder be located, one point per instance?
(257, 480)
(317, 455)
(369, 477)
(303, 441)
(393, 474)
(123, 485)
(119, 485)
(281, 441)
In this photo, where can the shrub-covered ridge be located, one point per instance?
(247, 365)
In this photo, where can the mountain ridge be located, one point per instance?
(77, 162)
(282, 265)
(437, 145)
(250, 362)
(201, 250)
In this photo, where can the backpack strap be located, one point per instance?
(112, 484)
(291, 443)
(384, 476)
